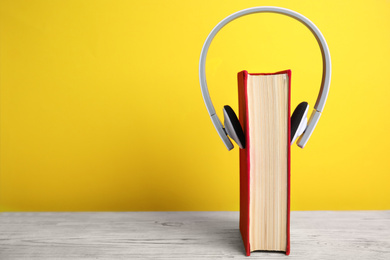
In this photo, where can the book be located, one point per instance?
(264, 114)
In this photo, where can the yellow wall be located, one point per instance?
(101, 107)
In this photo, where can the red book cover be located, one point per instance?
(245, 159)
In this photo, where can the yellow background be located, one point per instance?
(101, 107)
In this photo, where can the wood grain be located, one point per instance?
(187, 235)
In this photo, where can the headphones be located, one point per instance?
(299, 125)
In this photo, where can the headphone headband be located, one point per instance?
(322, 96)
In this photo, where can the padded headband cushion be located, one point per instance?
(296, 118)
(238, 132)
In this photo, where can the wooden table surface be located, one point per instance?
(187, 235)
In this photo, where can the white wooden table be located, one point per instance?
(187, 235)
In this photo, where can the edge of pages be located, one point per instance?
(245, 163)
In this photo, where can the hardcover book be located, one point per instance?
(264, 114)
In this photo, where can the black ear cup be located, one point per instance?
(299, 120)
(233, 126)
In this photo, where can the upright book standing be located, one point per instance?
(264, 114)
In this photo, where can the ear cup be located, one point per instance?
(299, 120)
(233, 126)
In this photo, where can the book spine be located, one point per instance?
(244, 161)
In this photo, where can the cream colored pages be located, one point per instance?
(268, 129)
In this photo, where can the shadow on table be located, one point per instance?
(217, 231)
